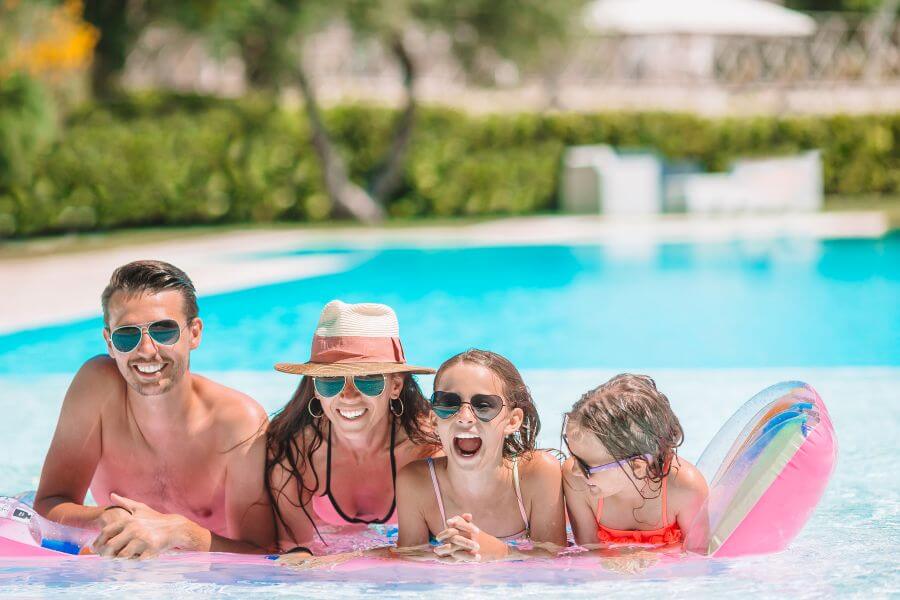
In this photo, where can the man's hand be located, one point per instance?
(111, 514)
(143, 533)
(465, 541)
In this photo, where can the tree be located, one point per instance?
(45, 47)
(270, 34)
(121, 23)
(838, 5)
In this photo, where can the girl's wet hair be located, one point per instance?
(630, 417)
(295, 425)
(515, 393)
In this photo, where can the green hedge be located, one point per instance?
(157, 160)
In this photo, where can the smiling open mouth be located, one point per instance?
(148, 369)
(351, 414)
(467, 444)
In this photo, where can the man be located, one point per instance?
(173, 459)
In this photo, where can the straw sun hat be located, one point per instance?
(355, 339)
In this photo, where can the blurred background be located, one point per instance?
(137, 113)
(707, 191)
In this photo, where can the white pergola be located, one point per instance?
(676, 38)
(696, 17)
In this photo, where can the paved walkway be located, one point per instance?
(58, 288)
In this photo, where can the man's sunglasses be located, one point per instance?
(128, 337)
(368, 385)
(587, 469)
(484, 406)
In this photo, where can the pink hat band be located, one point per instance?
(356, 348)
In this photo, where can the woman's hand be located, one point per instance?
(302, 560)
(465, 541)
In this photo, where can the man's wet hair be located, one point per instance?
(151, 276)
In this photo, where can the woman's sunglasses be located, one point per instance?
(587, 469)
(128, 337)
(484, 406)
(368, 385)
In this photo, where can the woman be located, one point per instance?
(356, 419)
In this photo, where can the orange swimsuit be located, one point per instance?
(669, 533)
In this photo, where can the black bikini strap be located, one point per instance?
(393, 473)
(334, 503)
(328, 464)
(393, 459)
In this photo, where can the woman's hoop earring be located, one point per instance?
(397, 413)
(310, 410)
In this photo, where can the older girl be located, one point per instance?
(492, 487)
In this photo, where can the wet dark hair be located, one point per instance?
(631, 417)
(151, 276)
(295, 419)
(514, 389)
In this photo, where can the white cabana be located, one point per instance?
(696, 17)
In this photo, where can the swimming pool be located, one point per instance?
(781, 302)
(714, 323)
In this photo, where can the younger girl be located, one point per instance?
(624, 481)
(492, 487)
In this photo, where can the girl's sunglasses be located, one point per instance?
(368, 385)
(128, 337)
(587, 469)
(484, 406)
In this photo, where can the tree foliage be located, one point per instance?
(270, 35)
(863, 6)
(172, 160)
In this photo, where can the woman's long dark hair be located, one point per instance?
(295, 418)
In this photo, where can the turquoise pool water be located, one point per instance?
(740, 304)
(714, 323)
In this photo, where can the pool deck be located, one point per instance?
(44, 290)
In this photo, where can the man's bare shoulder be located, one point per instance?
(100, 367)
(239, 417)
(97, 381)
